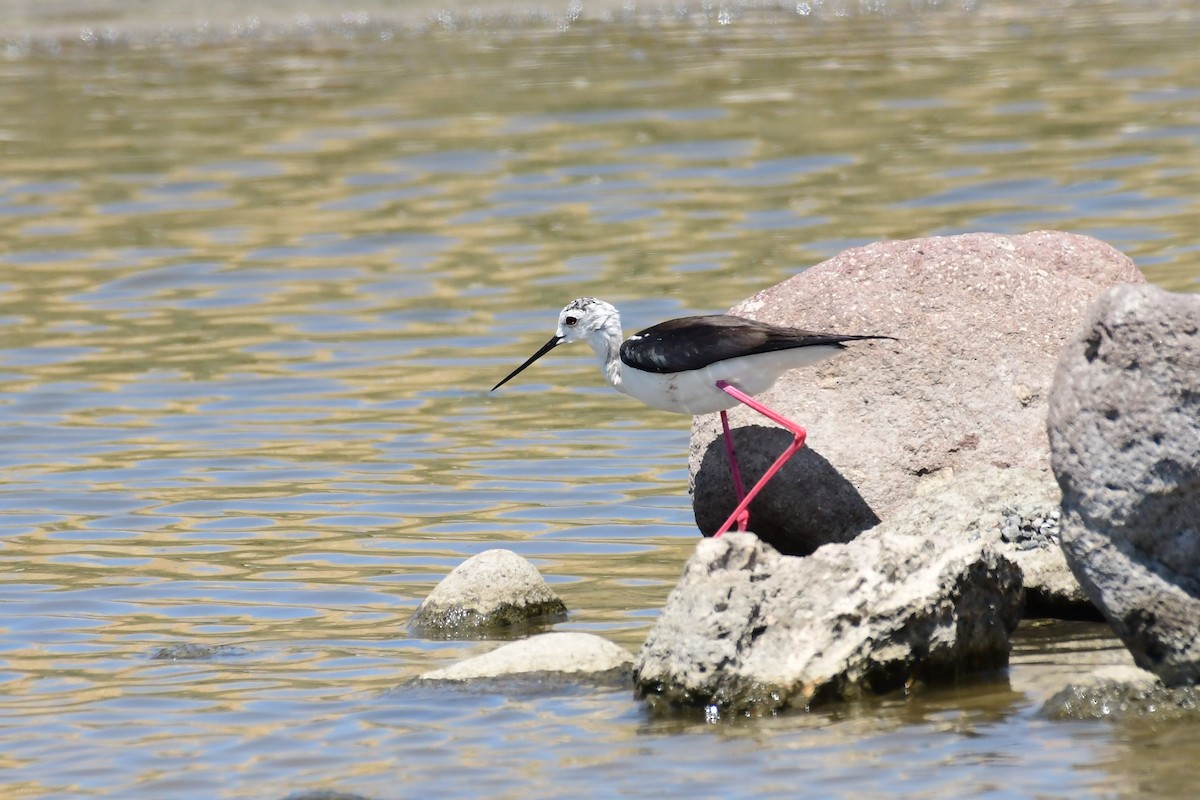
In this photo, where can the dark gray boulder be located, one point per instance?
(1124, 428)
(981, 319)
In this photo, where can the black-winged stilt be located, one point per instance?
(697, 365)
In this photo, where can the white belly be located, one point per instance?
(695, 391)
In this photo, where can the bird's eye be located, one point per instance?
(571, 320)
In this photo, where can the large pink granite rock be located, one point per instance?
(980, 318)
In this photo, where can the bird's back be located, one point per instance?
(690, 343)
(675, 365)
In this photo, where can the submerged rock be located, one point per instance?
(1120, 693)
(749, 630)
(190, 651)
(557, 652)
(494, 590)
(1124, 427)
(981, 319)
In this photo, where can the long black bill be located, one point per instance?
(546, 348)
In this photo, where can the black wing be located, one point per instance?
(688, 343)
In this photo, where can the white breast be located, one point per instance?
(695, 391)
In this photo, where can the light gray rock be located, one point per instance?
(1124, 428)
(559, 652)
(1018, 509)
(748, 630)
(493, 590)
(981, 319)
(1122, 692)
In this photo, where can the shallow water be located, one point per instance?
(257, 273)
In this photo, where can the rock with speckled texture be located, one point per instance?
(748, 630)
(1021, 507)
(980, 318)
(1124, 428)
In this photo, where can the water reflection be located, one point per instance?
(254, 287)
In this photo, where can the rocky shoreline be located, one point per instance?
(1031, 449)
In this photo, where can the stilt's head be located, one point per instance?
(592, 320)
(589, 319)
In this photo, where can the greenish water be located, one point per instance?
(258, 270)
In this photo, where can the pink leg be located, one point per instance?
(740, 515)
(743, 520)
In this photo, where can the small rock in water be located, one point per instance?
(1121, 692)
(559, 652)
(189, 651)
(324, 794)
(494, 591)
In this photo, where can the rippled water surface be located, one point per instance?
(258, 271)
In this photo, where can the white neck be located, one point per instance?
(606, 344)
